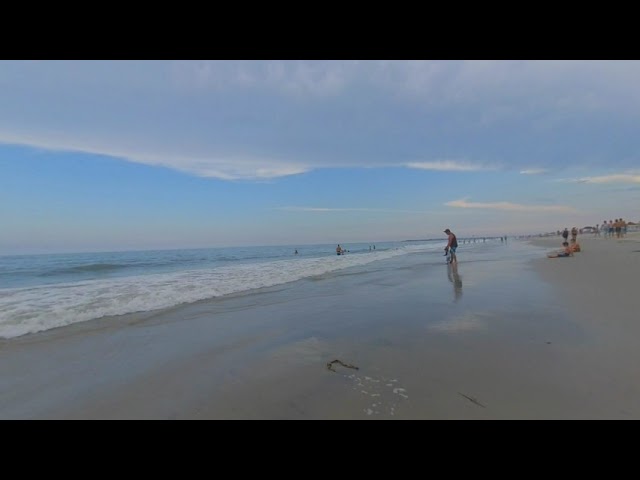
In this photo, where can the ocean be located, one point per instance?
(41, 292)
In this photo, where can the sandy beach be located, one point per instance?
(598, 282)
(599, 288)
(509, 335)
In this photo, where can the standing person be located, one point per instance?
(618, 226)
(574, 234)
(565, 234)
(338, 250)
(452, 245)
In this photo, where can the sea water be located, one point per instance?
(40, 292)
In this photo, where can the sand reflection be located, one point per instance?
(456, 280)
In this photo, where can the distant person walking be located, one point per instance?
(618, 227)
(565, 235)
(452, 245)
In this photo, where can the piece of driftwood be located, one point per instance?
(472, 400)
(330, 365)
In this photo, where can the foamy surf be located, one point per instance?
(34, 309)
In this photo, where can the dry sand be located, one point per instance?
(600, 283)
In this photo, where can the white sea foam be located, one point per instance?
(33, 309)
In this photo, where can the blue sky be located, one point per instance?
(119, 155)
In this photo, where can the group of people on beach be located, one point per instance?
(449, 250)
(567, 251)
(342, 251)
(569, 248)
(617, 227)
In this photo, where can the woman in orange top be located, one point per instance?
(575, 246)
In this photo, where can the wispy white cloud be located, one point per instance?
(614, 178)
(448, 166)
(326, 209)
(534, 171)
(231, 167)
(508, 206)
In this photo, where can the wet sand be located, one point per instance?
(507, 335)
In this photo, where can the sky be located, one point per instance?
(136, 155)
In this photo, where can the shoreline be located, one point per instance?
(506, 336)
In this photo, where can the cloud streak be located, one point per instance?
(224, 168)
(510, 207)
(534, 171)
(328, 209)
(614, 178)
(447, 166)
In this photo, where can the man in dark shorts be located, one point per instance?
(452, 245)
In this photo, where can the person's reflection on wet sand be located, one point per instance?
(454, 277)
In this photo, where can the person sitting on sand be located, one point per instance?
(566, 252)
(574, 246)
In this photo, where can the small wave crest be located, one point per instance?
(80, 269)
(33, 309)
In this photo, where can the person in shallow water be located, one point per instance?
(452, 245)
